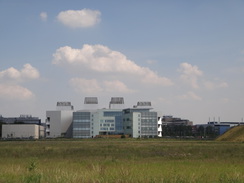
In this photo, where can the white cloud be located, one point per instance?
(101, 59)
(85, 85)
(9, 78)
(190, 96)
(93, 86)
(79, 18)
(15, 92)
(190, 74)
(209, 85)
(223, 85)
(29, 72)
(12, 74)
(43, 16)
(214, 85)
(116, 86)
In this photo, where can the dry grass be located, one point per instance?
(121, 160)
(236, 134)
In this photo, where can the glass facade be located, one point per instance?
(149, 124)
(116, 124)
(134, 122)
(81, 124)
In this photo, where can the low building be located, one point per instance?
(22, 131)
(21, 122)
(222, 127)
(177, 127)
(22, 119)
(170, 120)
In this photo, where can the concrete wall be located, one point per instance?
(136, 124)
(21, 131)
(60, 123)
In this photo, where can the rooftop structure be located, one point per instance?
(64, 106)
(22, 119)
(90, 103)
(91, 100)
(143, 104)
(116, 103)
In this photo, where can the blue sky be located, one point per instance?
(186, 57)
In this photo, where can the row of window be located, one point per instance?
(81, 129)
(107, 129)
(106, 124)
(81, 120)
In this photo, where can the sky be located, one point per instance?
(186, 57)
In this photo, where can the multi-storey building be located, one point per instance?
(139, 121)
(91, 122)
(59, 121)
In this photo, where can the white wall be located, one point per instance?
(60, 122)
(135, 122)
(20, 131)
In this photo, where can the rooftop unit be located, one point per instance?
(91, 100)
(64, 106)
(116, 103)
(145, 104)
(90, 103)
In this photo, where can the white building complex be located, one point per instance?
(91, 121)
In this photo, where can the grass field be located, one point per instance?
(121, 160)
(235, 134)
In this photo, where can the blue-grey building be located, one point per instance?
(140, 121)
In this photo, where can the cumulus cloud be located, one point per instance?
(190, 96)
(79, 18)
(116, 86)
(43, 16)
(223, 85)
(85, 85)
(26, 73)
(15, 92)
(190, 74)
(93, 86)
(101, 59)
(214, 85)
(10, 79)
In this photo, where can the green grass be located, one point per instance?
(121, 160)
(235, 134)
